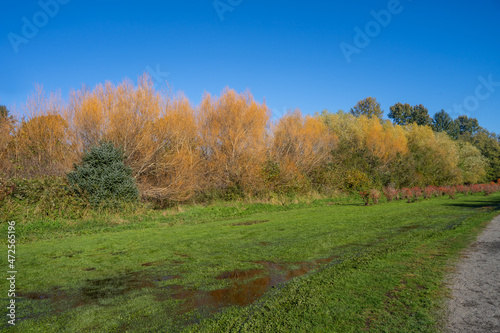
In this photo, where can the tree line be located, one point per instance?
(228, 147)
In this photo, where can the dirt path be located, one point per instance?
(475, 302)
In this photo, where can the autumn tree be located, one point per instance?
(301, 149)
(434, 156)
(472, 163)
(41, 146)
(368, 107)
(366, 149)
(158, 135)
(227, 146)
(173, 172)
(232, 131)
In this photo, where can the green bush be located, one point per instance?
(47, 197)
(103, 178)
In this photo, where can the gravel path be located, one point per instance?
(475, 287)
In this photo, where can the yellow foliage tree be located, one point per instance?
(435, 156)
(366, 149)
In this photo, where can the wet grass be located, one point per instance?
(305, 267)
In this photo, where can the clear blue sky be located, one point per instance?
(288, 52)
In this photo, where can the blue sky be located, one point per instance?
(444, 55)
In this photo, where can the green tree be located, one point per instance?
(442, 122)
(368, 107)
(421, 116)
(489, 146)
(405, 114)
(103, 178)
(401, 114)
(467, 126)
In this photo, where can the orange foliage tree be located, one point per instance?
(41, 144)
(301, 147)
(173, 170)
(227, 144)
(232, 131)
(158, 135)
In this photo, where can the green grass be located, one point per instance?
(157, 271)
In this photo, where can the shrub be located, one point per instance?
(103, 178)
(375, 196)
(449, 190)
(416, 193)
(489, 189)
(475, 189)
(357, 181)
(463, 189)
(429, 191)
(47, 197)
(406, 194)
(390, 193)
(440, 191)
(6, 188)
(365, 195)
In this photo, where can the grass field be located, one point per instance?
(326, 266)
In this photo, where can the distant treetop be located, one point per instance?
(368, 107)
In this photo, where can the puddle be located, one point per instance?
(244, 288)
(97, 289)
(55, 294)
(239, 274)
(167, 277)
(36, 296)
(249, 222)
(94, 290)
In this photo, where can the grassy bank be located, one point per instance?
(320, 266)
